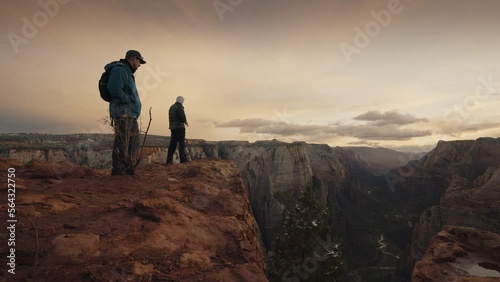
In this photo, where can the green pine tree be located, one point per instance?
(303, 251)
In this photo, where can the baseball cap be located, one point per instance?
(135, 53)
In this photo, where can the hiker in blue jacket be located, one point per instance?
(125, 109)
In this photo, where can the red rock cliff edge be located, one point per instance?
(186, 222)
(460, 254)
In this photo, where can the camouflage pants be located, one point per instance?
(125, 146)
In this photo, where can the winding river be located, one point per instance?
(383, 245)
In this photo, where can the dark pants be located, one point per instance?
(125, 145)
(177, 136)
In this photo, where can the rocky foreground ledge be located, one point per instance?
(186, 222)
(460, 254)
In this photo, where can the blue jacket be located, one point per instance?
(125, 100)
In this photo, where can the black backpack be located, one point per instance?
(103, 82)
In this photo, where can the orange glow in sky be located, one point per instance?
(394, 73)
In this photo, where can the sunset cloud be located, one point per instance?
(388, 118)
(380, 126)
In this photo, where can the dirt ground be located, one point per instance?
(185, 222)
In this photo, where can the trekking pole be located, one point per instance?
(144, 142)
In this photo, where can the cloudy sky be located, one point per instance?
(344, 72)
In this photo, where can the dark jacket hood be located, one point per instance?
(122, 61)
